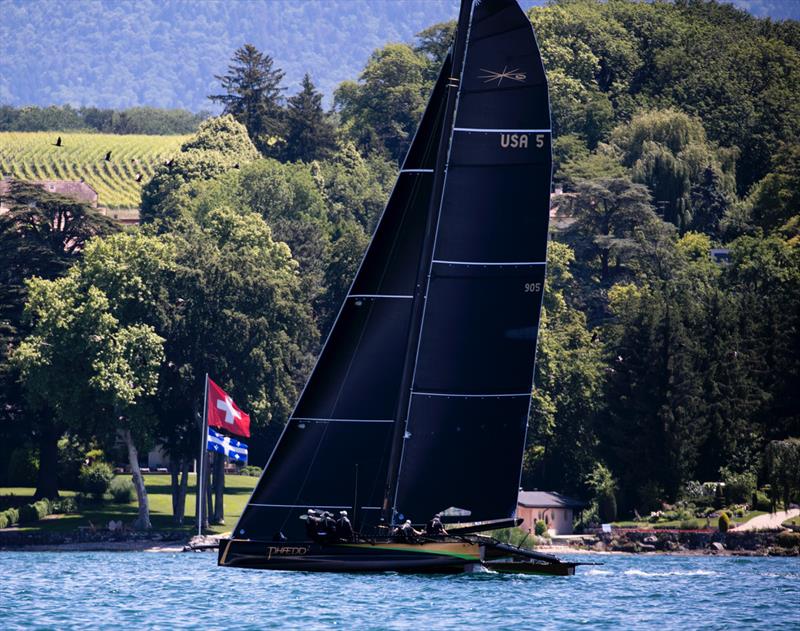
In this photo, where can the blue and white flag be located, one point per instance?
(235, 450)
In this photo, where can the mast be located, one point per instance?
(421, 287)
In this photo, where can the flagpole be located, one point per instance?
(200, 468)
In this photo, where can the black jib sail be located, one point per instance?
(425, 379)
(334, 451)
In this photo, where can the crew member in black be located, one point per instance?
(343, 527)
(435, 526)
(408, 533)
(329, 526)
(313, 525)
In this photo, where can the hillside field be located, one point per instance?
(34, 156)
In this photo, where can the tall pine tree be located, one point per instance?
(309, 133)
(254, 97)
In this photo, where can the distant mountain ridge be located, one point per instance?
(118, 53)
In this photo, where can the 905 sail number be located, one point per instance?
(533, 288)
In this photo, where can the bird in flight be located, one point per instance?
(57, 143)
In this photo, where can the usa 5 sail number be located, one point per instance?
(520, 141)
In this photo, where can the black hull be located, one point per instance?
(430, 557)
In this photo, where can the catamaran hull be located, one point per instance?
(424, 558)
(358, 557)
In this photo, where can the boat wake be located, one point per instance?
(671, 573)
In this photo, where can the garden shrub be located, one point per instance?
(789, 539)
(540, 528)
(739, 487)
(761, 501)
(12, 515)
(251, 470)
(95, 478)
(3, 520)
(23, 467)
(121, 490)
(724, 522)
(31, 513)
(65, 506)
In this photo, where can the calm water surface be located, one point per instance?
(163, 591)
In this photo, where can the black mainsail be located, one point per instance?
(425, 379)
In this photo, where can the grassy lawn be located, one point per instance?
(696, 524)
(237, 492)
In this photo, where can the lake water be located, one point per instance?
(164, 591)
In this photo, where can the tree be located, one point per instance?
(668, 151)
(608, 212)
(783, 469)
(710, 203)
(254, 96)
(41, 235)
(775, 200)
(562, 439)
(82, 362)
(309, 133)
(220, 145)
(381, 112)
(434, 43)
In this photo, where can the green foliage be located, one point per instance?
(783, 468)
(250, 470)
(96, 478)
(604, 487)
(3, 520)
(134, 120)
(775, 200)
(380, 112)
(724, 522)
(540, 529)
(668, 151)
(309, 133)
(761, 501)
(31, 513)
(121, 490)
(22, 467)
(739, 487)
(562, 441)
(65, 506)
(253, 95)
(220, 144)
(10, 516)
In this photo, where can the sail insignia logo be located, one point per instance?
(511, 75)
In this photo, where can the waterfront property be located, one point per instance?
(556, 510)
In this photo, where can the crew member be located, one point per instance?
(435, 526)
(329, 526)
(408, 532)
(343, 527)
(313, 525)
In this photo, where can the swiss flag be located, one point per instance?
(224, 413)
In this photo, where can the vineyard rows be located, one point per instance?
(34, 156)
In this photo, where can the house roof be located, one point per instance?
(544, 499)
